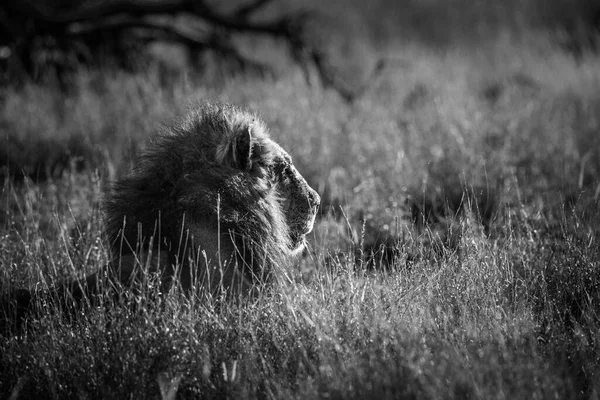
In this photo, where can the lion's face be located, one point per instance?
(299, 201)
(246, 148)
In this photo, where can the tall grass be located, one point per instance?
(505, 307)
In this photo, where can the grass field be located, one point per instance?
(457, 254)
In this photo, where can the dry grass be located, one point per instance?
(468, 304)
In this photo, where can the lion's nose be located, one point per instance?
(314, 199)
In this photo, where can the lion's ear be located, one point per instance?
(236, 151)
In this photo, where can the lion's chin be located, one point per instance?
(298, 246)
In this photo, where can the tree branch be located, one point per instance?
(196, 8)
(163, 30)
(97, 9)
(245, 11)
(25, 21)
(154, 29)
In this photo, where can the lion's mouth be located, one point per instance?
(298, 238)
(298, 244)
(308, 227)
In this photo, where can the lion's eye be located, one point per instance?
(279, 168)
(281, 173)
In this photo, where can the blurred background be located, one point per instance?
(395, 110)
(392, 108)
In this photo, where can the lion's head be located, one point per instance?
(217, 195)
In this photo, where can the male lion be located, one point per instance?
(212, 203)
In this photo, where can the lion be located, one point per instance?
(212, 204)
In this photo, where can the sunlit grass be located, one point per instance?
(504, 309)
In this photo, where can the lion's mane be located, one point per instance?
(192, 172)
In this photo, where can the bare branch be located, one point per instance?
(186, 34)
(166, 31)
(196, 8)
(245, 11)
(98, 9)
(278, 27)
(25, 21)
